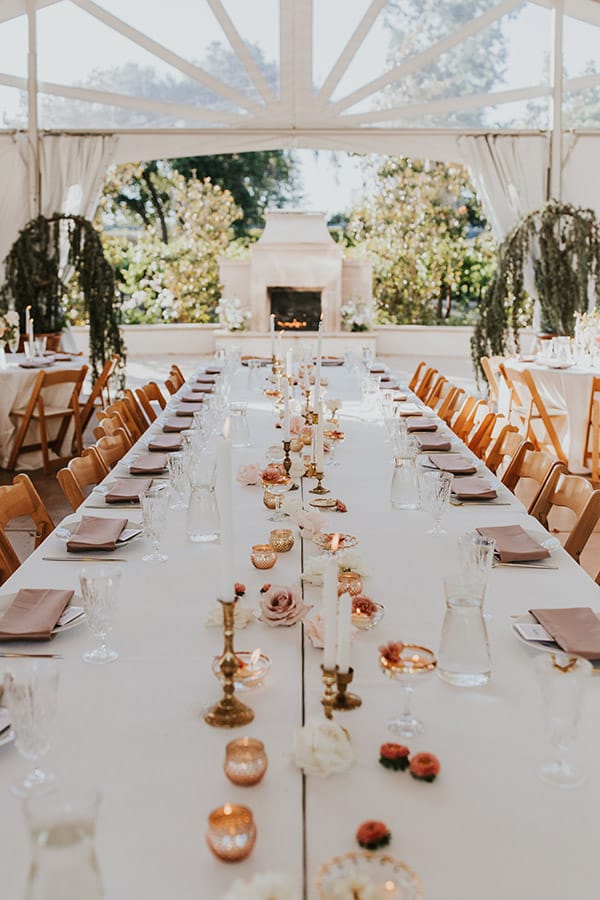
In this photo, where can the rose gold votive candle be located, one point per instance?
(349, 582)
(231, 832)
(263, 556)
(281, 540)
(245, 761)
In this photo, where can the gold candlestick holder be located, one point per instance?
(318, 489)
(274, 365)
(329, 692)
(229, 712)
(310, 470)
(343, 698)
(287, 463)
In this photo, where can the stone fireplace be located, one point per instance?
(297, 271)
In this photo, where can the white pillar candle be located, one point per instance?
(27, 317)
(344, 625)
(272, 330)
(286, 409)
(224, 473)
(330, 604)
(289, 363)
(318, 368)
(319, 450)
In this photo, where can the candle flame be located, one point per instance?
(255, 656)
(389, 886)
(227, 809)
(335, 543)
(415, 658)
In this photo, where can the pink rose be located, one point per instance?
(281, 605)
(310, 520)
(248, 474)
(296, 424)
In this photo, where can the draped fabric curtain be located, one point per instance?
(73, 169)
(509, 175)
(14, 191)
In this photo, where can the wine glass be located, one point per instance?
(31, 690)
(178, 480)
(562, 680)
(437, 496)
(333, 442)
(154, 503)
(333, 404)
(99, 587)
(408, 664)
(13, 344)
(278, 489)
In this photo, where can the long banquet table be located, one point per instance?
(487, 828)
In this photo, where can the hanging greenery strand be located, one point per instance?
(47, 248)
(562, 242)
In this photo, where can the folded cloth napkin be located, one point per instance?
(33, 614)
(205, 379)
(202, 388)
(62, 357)
(188, 409)
(575, 630)
(421, 423)
(127, 489)
(175, 424)
(376, 370)
(165, 442)
(192, 398)
(40, 363)
(513, 544)
(473, 487)
(148, 464)
(452, 462)
(212, 370)
(433, 442)
(384, 377)
(409, 409)
(95, 533)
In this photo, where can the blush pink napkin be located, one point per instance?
(202, 388)
(452, 462)
(188, 409)
(421, 423)
(33, 614)
(513, 544)
(148, 464)
(473, 487)
(575, 630)
(174, 424)
(190, 398)
(36, 363)
(94, 533)
(165, 442)
(433, 442)
(127, 489)
(212, 370)
(377, 370)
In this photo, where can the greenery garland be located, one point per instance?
(563, 243)
(32, 278)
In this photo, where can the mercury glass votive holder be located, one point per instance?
(281, 540)
(349, 582)
(245, 761)
(296, 444)
(263, 556)
(231, 832)
(270, 500)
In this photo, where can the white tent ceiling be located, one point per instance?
(84, 83)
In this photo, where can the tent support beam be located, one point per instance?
(555, 173)
(32, 113)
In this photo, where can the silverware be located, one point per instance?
(108, 559)
(9, 655)
(480, 503)
(523, 565)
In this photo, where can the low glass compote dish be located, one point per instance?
(408, 664)
(276, 482)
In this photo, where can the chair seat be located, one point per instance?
(49, 411)
(553, 411)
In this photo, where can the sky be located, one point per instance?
(71, 44)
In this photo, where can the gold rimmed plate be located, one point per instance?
(388, 876)
(323, 540)
(324, 503)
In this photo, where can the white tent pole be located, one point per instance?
(555, 180)
(351, 49)
(32, 113)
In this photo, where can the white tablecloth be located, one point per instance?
(487, 828)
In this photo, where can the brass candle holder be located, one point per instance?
(318, 489)
(274, 365)
(229, 712)
(344, 699)
(329, 691)
(310, 471)
(287, 463)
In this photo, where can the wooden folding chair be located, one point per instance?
(175, 372)
(416, 376)
(490, 364)
(466, 417)
(592, 434)
(172, 384)
(424, 386)
(42, 411)
(82, 471)
(20, 499)
(572, 492)
(504, 446)
(528, 405)
(108, 424)
(449, 404)
(535, 465)
(436, 392)
(137, 413)
(480, 436)
(121, 408)
(147, 395)
(100, 394)
(112, 447)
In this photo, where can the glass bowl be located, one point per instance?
(389, 877)
(252, 670)
(366, 614)
(323, 541)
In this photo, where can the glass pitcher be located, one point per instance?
(62, 828)
(238, 421)
(406, 486)
(203, 523)
(464, 654)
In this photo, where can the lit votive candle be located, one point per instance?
(245, 761)
(263, 556)
(281, 540)
(231, 832)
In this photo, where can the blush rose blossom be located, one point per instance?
(281, 605)
(249, 474)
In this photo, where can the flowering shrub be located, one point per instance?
(9, 325)
(232, 314)
(357, 315)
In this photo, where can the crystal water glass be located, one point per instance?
(155, 504)
(464, 654)
(13, 344)
(410, 666)
(476, 556)
(99, 589)
(30, 691)
(562, 681)
(238, 421)
(436, 488)
(178, 480)
(278, 489)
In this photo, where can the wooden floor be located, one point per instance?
(143, 369)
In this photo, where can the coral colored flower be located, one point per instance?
(340, 507)
(273, 474)
(265, 588)
(239, 589)
(392, 652)
(394, 756)
(424, 766)
(372, 835)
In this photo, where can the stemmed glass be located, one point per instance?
(99, 587)
(31, 691)
(154, 503)
(13, 344)
(333, 404)
(178, 480)
(278, 489)
(407, 664)
(562, 680)
(331, 460)
(437, 496)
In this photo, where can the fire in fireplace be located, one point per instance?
(295, 309)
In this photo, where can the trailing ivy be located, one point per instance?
(562, 243)
(33, 278)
